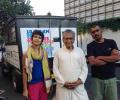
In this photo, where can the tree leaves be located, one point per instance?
(11, 8)
(16, 7)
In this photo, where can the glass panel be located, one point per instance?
(77, 15)
(71, 11)
(72, 4)
(77, 9)
(72, 15)
(66, 1)
(71, 0)
(88, 6)
(94, 4)
(44, 22)
(101, 9)
(88, 13)
(116, 0)
(66, 12)
(101, 16)
(28, 23)
(94, 11)
(88, 19)
(82, 1)
(95, 18)
(77, 3)
(68, 23)
(54, 22)
(108, 1)
(117, 6)
(82, 8)
(109, 15)
(88, 1)
(109, 8)
(101, 2)
(117, 13)
(67, 6)
(82, 14)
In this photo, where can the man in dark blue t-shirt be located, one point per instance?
(102, 54)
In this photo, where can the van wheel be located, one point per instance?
(17, 81)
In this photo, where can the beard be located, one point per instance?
(98, 38)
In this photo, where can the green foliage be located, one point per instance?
(112, 24)
(16, 7)
(11, 8)
(81, 27)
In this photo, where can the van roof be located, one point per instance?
(46, 17)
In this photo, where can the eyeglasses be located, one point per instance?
(97, 30)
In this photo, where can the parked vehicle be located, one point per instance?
(18, 38)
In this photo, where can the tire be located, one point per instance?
(17, 81)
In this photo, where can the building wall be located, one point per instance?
(83, 40)
(92, 10)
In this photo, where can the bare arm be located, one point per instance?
(24, 74)
(95, 61)
(115, 56)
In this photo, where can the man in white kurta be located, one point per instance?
(69, 66)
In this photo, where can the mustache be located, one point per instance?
(96, 35)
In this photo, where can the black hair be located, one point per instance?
(93, 26)
(38, 32)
